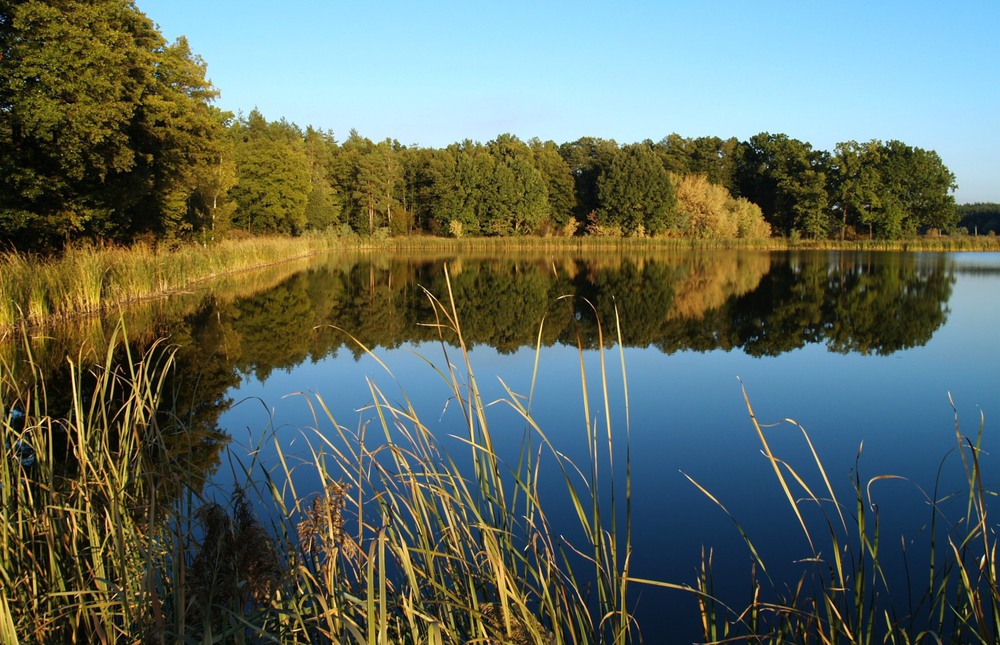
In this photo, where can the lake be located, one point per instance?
(862, 349)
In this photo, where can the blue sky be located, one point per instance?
(432, 73)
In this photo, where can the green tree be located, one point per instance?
(272, 177)
(891, 188)
(672, 150)
(389, 161)
(855, 182)
(636, 194)
(710, 156)
(588, 158)
(370, 178)
(102, 124)
(323, 205)
(979, 218)
(210, 206)
(515, 200)
(179, 139)
(787, 179)
(918, 184)
(357, 180)
(558, 180)
(466, 170)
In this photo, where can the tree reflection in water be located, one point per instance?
(762, 303)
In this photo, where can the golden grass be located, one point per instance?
(86, 280)
(401, 543)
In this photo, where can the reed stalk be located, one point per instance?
(844, 593)
(104, 539)
(403, 541)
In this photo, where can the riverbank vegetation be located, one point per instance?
(37, 291)
(980, 218)
(88, 279)
(143, 154)
(108, 538)
(111, 534)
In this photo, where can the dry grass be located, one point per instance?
(86, 280)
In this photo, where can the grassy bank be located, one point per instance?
(92, 279)
(86, 280)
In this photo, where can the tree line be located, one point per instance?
(980, 217)
(109, 132)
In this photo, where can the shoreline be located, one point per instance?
(87, 281)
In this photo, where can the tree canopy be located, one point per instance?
(109, 132)
(104, 127)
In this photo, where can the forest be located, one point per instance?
(980, 218)
(109, 133)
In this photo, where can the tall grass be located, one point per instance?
(90, 279)
(845, 593)
(402, 542)
(78, 554)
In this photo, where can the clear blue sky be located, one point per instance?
(432, 73)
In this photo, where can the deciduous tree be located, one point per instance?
(558, 180)
(588, 158)
(636, 194)
(102, 124)
(787, 179)
(272, 177)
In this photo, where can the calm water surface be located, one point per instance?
(861, 349)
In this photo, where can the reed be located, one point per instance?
(77, 532)
(844, 593)
(90, 279)
(402, 541)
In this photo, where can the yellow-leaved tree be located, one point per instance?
(711, 212)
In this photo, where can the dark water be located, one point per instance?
(861, 349)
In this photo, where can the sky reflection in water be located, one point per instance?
(887, 392)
